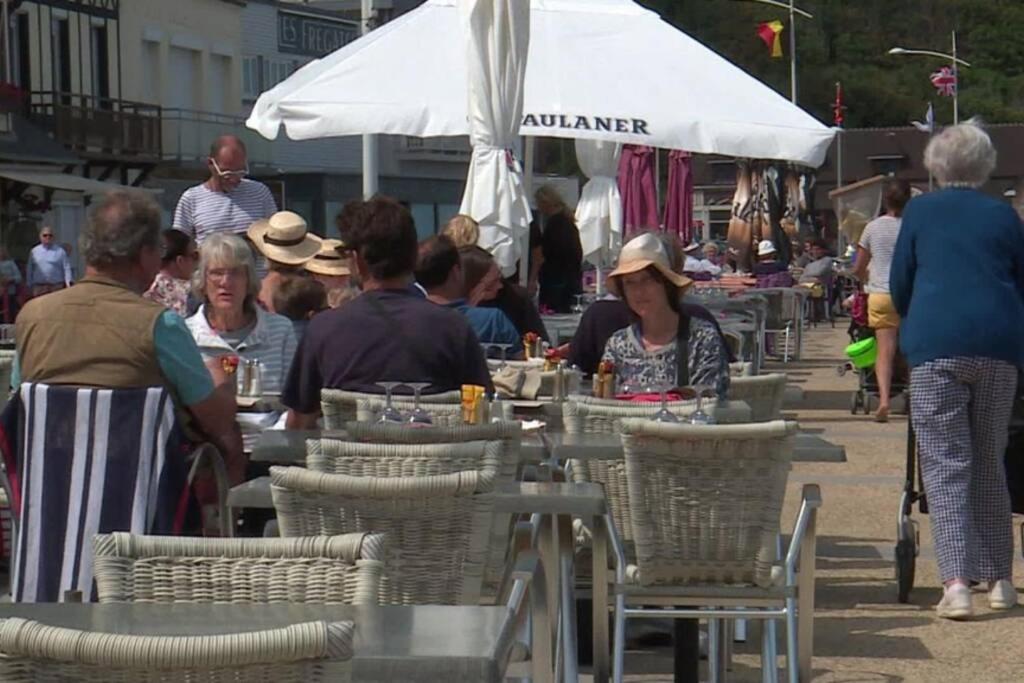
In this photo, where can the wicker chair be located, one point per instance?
(764, 393)
(160, 569)
(705, 508)
(339, 406)
(313, 651)
(741, 369)
(437, 526)
(443, 414)
(373, 452)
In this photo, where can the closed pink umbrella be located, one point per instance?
(679, 199)
(636, 185)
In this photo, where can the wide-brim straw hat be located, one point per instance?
(643, 252)
(329, 260)
(284, 238)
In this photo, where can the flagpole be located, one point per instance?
(956, 85)
(792, 52)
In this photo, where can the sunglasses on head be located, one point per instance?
(229, 174)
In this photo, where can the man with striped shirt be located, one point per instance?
(227, 201)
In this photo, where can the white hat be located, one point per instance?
(330, 260)
(765, 247)
(284, 238)
(639, 253)
(691, 247)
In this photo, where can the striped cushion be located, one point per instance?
(87, 461)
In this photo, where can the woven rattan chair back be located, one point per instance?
(312, 651)
(319, 570)
(763, 393)
(706, 500)
(741, 369)
(339, 406)
(590, 415)
(437, 527)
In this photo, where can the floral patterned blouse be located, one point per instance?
(171, 292)
(637, 366)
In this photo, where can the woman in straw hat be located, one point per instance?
(330, 266)
(647, 353)
(287, 245)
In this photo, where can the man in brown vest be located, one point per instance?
(102, 333)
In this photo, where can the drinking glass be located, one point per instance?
(503, 350)
(665, 415)
(390, 413)
(419, 416)
(578, 306)
(699, 417)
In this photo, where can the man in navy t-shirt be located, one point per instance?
(385, 334)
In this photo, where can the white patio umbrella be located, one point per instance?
(497, 38)
(599, 211)
(597, 69)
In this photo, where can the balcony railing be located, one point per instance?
(99, 126)
(436, 149)
(187, 135)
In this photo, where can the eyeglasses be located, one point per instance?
(229, 174)
(47, 234)
(225, 274)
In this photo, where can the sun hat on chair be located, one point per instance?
(691, 248)
(642, 252)
(765, 248)
(284, 238)
(329, 260)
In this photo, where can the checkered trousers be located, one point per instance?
(961, 411)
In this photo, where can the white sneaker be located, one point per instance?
(1002, 595)
(956, 603)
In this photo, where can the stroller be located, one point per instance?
(908, 537)
(862, 359)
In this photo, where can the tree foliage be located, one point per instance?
(848, 41)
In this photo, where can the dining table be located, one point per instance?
(425, 643)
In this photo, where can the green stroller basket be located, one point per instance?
(863, 353)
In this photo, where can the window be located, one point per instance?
(23, 52)
(60, 39)
(887, 164)
(100, 66)
(723, 172)
(275, 71)
(251, 78)
(426, 221)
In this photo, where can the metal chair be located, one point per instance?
(312, 651)
(764, 394)
(705, 509)
(339, 406)
(319, 570)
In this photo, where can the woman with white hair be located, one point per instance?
(229, 322)
(957, 282)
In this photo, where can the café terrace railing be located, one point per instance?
(99, 126)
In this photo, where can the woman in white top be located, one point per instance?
(229, 323)
(874, 256)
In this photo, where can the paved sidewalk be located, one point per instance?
(861, 632)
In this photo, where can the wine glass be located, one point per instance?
(390, 413)
(699, 417)
(503, 350)
(578, 306)
(664, 415)
(419, 416)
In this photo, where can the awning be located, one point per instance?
(64, 181)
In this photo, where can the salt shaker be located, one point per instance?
(256, 379)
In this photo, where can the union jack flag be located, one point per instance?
(944, 81)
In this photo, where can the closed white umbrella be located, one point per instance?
(599, 211)
(597, 69)
(497, 36)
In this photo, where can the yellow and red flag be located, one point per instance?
(771, 33)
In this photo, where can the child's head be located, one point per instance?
(300, 298)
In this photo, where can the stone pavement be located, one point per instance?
(861, 633)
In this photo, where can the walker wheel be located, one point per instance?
(854, 403)
(905, 565)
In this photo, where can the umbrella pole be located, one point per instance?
(370, 179)
(524, 249)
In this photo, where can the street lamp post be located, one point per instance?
(793, 11)
(954, 60)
